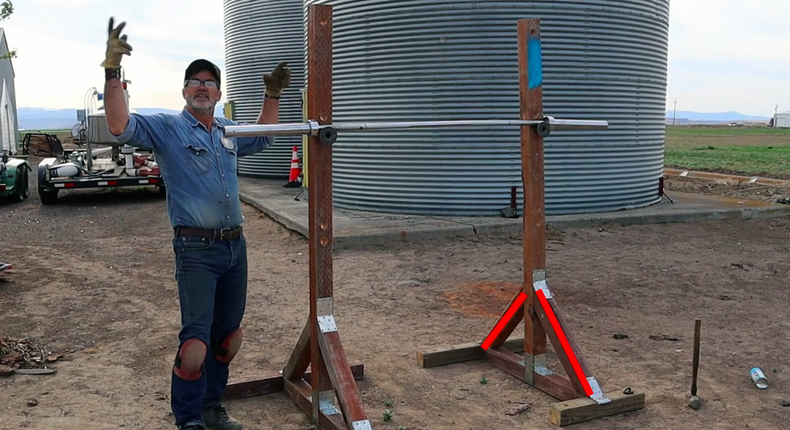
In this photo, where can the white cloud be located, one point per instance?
(724, 54)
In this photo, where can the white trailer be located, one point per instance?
(104, 162)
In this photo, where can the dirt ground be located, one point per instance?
(93, 280)
(729, 188)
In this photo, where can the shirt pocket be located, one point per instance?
(232, 160)
(231, 154)
(198, 159)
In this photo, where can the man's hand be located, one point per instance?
(116, 46)
(278, 80)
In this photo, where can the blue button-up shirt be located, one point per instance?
(199, 166)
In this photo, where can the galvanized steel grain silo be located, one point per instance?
(258, 35)
(411, 60)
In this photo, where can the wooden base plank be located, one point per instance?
(508, 358)
(555, 385)
(444, 355)
(585, 409)
(507, 361)
(261, 386)
(300, 392)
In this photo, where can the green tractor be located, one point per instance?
(14, 174)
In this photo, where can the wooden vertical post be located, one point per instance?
(318, 376)
(332, 377)
(531, 104)
(319, 108)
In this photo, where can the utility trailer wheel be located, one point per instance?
(48, 197)
(21, 191)
(25, 184)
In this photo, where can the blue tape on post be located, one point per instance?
(534, 63)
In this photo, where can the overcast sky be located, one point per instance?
(725, 55)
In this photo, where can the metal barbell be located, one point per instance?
(327, 133)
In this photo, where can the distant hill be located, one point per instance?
(689, 116)
(60, 119)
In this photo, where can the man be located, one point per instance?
(198, 164)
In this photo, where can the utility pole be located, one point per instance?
(675, 112)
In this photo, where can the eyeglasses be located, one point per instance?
(196, 83)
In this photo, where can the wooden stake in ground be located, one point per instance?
(694, 401)
(582, 397)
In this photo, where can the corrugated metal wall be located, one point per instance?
(258, 35)
(7, 75)
(412, 60)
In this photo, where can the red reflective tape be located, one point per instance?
(555, 324)
(112, 183)
(503, 321)
(69, 184)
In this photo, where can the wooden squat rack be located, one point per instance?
(331, 381)
(581, 398)
(319, 378)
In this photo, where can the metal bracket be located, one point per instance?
(539, 282)
(314, 126)
(534, 364)
(324, 306)
(326, 403)
(362, 425)
(327, 323)
(597, 394)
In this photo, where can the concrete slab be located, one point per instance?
(357, 228)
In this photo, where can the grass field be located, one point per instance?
(746, 150)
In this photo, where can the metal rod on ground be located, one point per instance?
(694, 401)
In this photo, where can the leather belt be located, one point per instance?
(218, 234)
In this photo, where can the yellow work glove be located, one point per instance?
(116, 47)
(278, 80)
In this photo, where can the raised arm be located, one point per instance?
(114, 98)
(142, 131)
(276, 81)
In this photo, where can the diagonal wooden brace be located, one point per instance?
(342, 378)
(568, 351)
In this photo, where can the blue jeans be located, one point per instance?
(212, 290)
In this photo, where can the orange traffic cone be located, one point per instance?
(296, 171)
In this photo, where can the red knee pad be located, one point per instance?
(230, 346)
(190, 358)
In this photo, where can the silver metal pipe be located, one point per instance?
(576, 124)
(351, 126)
(313, 128)
(310, 128)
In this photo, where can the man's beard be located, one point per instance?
(203, 105)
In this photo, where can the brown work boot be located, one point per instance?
(216, 418)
